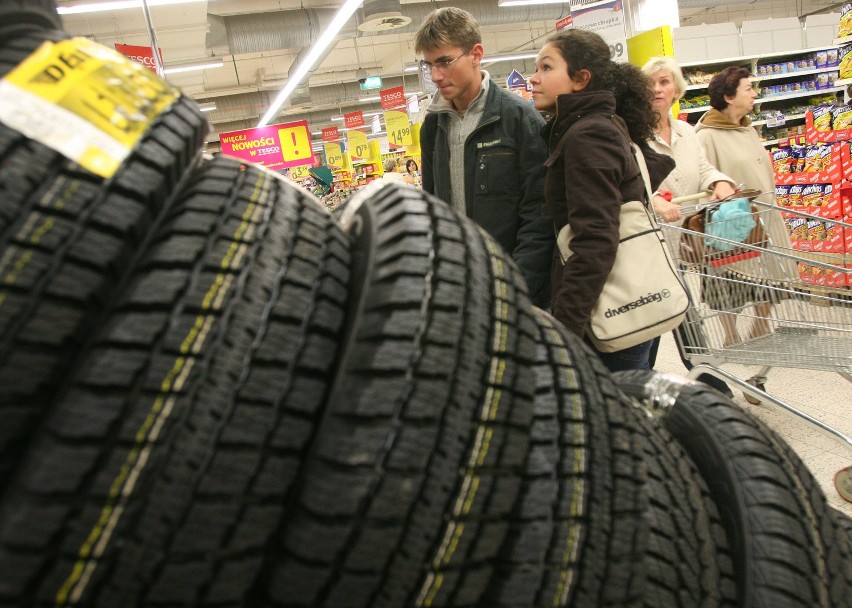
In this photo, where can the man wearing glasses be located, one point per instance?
(481, 147)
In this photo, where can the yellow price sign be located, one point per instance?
(399, 129)
(87, 102)
(334, 156)
(358, 147)
(299, 172)
(295, 143)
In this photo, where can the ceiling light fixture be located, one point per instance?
(193, 67)
(369, 99)
(207, 107)
(78, 9)
(337, 22)
(511, 57)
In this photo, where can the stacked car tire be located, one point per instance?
(213, 392)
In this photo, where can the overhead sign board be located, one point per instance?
(273, 146)
(354, 119)
(142, 54)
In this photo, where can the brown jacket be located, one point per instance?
(591, 171)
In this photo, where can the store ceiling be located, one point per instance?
(260, 41)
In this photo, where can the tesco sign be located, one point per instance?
(393, 98)
(142, 54)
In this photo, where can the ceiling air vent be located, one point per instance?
(381, 15)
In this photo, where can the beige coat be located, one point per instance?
(737, 151)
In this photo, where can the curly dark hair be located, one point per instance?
(724, 83)
(585, 50)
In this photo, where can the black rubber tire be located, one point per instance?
(27, 15)
(839, 540)
(419, 457)
(577, 523)
(689, 563)
(571, 464)
(67, 240)
(773, 509)
(187, 419)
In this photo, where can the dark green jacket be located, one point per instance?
(504, 181)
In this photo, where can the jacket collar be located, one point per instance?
(717, 120)
(572, 107)
(439, 104)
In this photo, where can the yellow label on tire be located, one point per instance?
(84, 100)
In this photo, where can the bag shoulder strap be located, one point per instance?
(643, 168)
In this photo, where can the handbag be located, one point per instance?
(643, 296)
(733, 220)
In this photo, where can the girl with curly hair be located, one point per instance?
(596, 107)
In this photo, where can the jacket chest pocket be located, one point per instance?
(497, 172)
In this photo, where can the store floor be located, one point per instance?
(823, 395)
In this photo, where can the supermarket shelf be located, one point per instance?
(799, 95)
(786, 117)
(771, 98)
(694, 110)
(744, 58)
(843, 40)
(834, 68)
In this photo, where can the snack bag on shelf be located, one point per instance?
(782, 160)
(846, 60)
(841, 117)
(822, 117)
(845, 26)
(782, 196)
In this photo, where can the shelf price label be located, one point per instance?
(399, 129)
(334, 156)
(357, 143)
(300, 172)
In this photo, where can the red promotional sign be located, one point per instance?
(564, 23)
(274, 146)
(142, 54)
(393, 98)
(354, 119)
(330, 134)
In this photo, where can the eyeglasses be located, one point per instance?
(442, 64)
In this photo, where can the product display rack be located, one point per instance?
(807, 75)
(820, 188)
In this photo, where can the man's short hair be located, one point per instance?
(447, 26)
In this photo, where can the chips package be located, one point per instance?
(822, 118)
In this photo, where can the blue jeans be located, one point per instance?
(635, 357)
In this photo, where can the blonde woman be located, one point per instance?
(692, 173)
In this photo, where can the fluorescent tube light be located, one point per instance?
(98, 7)
(337, 22)
(207, 107)
(191, 68)
(369, 99)
(502, 3)
(510, 57)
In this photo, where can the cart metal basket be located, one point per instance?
(757, 300)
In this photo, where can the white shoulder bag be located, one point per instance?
(643, 297)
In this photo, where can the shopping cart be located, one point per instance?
(756, 300)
